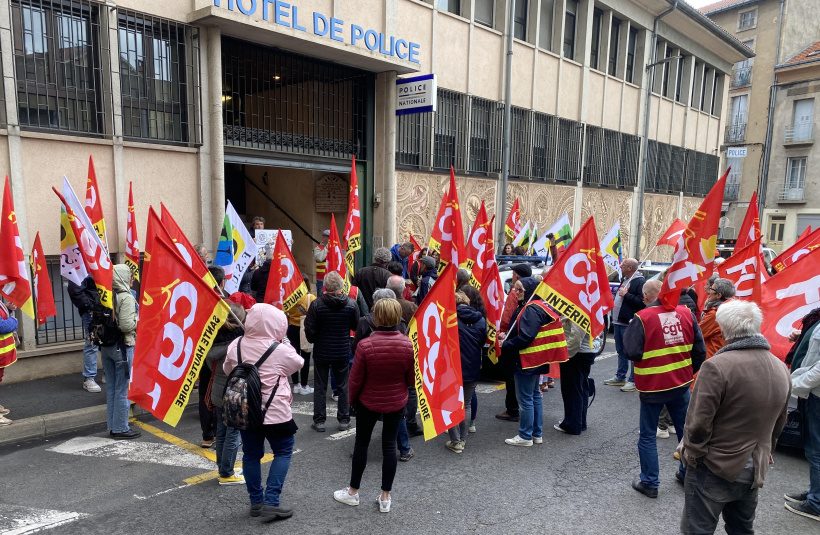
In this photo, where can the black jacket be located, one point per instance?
(83, 296)
(215, 359)
(259, 282)
(369, 279)
(633, 300)
(428, 278)
(523, 330)
(634, 339)
(367, 326)
(328, 323)
(472, 333)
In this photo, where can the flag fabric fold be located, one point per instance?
(522, 239)
(43, 293)
(236, 249)
(695, 252)
(492, 293)
(93, 203)
(184, 247)
(476, 245)
(672, 234)
(750, 229)
(447, 238)
(353, 227)
(180, 316)
(801, 248)
(513, 225)
(14, 282)
(286, 286)
(132, 244)
(335, 256)
(416, 249)
(433, 331)
(805, 233)
(745, 269)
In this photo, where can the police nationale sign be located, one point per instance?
(736, 152)
(416, 95)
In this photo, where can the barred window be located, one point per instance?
(412, 140)
(544, 143)
(628, 170)
(570, 137)
(486, 122)
(449, 124)
(701, 172)
(520, 154)
(611, 157)
(159, 78)
(57, 63)
(630, 55)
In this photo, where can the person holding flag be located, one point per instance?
(534, 340)
(628, 301)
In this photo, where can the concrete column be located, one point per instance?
(643, 43)
(706, 105)
(673, 73)
(623, 43)
(385, 151)
(603, 49)
(697, 80)
(657, 87)
(213, 190)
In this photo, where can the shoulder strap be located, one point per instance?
(272, 394)
(239, 350)
(265, 355)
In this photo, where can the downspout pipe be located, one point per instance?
(501, 208)
(767, 149)
(645, 161)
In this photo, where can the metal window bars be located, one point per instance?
(159, 78)
(67, 325)
(58, 53)
(570, 137)
(486, 130)
(666, 167)
(413, 140)
(282, 101)
(629, 154)
(448, 130)
(544, 146)
(521, 143)
(701, 172)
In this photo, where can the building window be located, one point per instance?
(714, 99)
(795, 180)
(58, 65)
(453, 6)
(802, 127)
(679, 79)
(543, 146)
(159, 78)
(484, 12)
(545, 24)
(630, 55)
(520, 20)
(736, 129)
(747, 20)
(448, 130)
(732, 192)
(570, 141)
(413, 140)
(614, 40)
(596, 38)
(666, 67)
(703, 86)
(520, 150)
(486, 120)
(695, 80)
(569, 29)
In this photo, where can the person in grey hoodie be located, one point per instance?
(117, 358)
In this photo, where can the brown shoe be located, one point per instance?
(506, 416)
(208, 443)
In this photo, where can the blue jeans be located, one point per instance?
(624, 364)
(253, 448)
(530, 410)
(648, 443)
(227, 444)
(117, 373)
(89, 351)
(403, 438)
(811, 447)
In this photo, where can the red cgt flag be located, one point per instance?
(434, 333)
(787, 297)
(576, 286)
(695, 252)
(673, 233)
(352, 235)
(513, 225)
(185, 248)
(93, 203)
(179, 318)
(493, 295)
(750, 229)
(285, 283)
(43, 294)
(14, 283)
(797, 251)
(476, 246)
(335, 255)
(416, 249)
(448, 233)
(132, 244)
(745, 269)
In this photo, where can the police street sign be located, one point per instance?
(416, 94)
(736, 152)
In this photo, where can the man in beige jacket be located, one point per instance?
(737, 411)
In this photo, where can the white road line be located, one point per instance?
(606, 356)
(342, 434)
(144, 452)
(305, 408)
(137, 496)
(18, 520)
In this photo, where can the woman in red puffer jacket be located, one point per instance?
(383, 368)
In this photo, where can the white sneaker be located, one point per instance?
(345, 497)
(671, 429)
(662, 433)
(384, 505)
(628, 387)
(91, 385)
(297, 389)
(237, 471)
(518, 441)
(537, 440)
(307, 390)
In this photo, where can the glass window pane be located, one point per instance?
(484, 12)
(545, 24)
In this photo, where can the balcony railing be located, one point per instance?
(735, 132)
(732, 191)
(799, 133)
(789, 193)
(741, 77)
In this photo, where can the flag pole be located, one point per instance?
(647, 255)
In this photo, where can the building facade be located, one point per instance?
(262, 103)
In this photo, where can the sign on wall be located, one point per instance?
(331, 194)
(265, 238)
(416, 94)
(736, 152)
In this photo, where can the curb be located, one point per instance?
(39, 427)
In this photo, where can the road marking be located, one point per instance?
(305, 408)
(606, 356)
(342, 434)
(144, 452)
(137, 496)
(176, 441)
(18, 520)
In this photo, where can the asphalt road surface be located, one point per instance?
(164, 483)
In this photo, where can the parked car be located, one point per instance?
(649, 270)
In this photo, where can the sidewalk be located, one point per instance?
(55, 405)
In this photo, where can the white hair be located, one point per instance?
(333, 282)
(383, 293)
(396, 283)
(739, 319)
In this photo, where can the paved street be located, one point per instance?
(162, 483)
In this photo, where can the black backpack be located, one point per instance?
(242, 399)
(104, 330)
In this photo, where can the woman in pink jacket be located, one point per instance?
(264, 326)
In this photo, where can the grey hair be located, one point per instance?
(198, 248)
(383, 293)
(396, 283)
(739, 319)
(712, 278)
(408, 246)
(462, 277)
(724, 287)
(333, 282)
(382, 255)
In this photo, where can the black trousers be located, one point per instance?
(207, 418)
(511, 402)
(707, 496)
(575, 392)
(365, 422)
(341, 369)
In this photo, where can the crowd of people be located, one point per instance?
(706, 376)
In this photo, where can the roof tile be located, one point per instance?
(810, 53)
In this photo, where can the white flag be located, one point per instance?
(72, 266)
(523, 238)
(611, 247)
(562, 230)
(236, 249)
